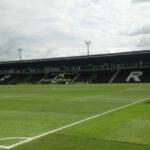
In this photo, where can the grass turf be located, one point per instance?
(30, 110)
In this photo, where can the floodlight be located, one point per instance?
(20, 50)
(88, 45)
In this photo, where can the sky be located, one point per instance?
(59, 28)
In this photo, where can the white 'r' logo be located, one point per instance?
(135, 75)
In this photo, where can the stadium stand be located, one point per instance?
(20, 79)
(35, 78)
(136, 75)
(128, 67)
(83, 77)
(103, 76)
(60, 78)
(6, 79)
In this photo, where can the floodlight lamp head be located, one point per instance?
(19, 49)
(88, 42)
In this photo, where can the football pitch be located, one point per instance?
(75, 117)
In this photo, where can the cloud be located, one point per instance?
(145, 30)
(140, 1)
(144, 42)
(49, 28)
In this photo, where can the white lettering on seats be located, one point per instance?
(135, 75)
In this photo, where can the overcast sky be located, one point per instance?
(58, 28)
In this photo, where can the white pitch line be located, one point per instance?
(12, 138)
(75, 123)
(4, 147)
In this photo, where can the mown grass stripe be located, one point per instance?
(75, 123)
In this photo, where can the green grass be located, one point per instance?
(30, 110)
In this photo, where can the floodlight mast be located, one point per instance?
(88, 47)
(20, 50)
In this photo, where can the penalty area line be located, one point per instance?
(4, 147)
(75, 123)
(13, 138)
